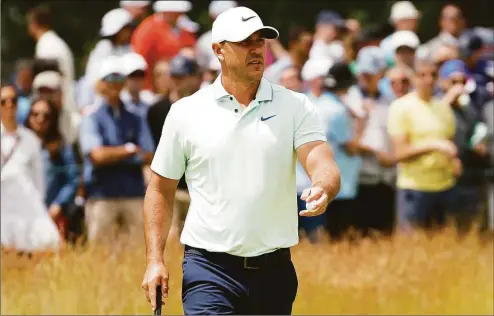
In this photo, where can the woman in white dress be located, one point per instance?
(25, 223)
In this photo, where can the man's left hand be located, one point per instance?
(318, 197)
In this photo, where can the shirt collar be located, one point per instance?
(264, 92)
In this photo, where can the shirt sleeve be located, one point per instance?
(100, 52)
(397, 119)
(170, 157)
(67, 192)
(89, 137)
(307, 127)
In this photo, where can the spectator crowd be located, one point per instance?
(410, 123)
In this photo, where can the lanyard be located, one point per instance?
(6, 158)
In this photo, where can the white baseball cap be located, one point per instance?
(316, 67)
(111, 65)
(214, 64)
(113, 21)
(404, 38)
(172, 6)
(134, 3)
(403, 10)
(133, 62)
(47, 79)
(216, 7)
(236, 24)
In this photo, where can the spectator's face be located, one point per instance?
(9, 103)
(327, 32)
(245, 60)
(303, 45)
(124, 36)
(400, 83)
(112, 86)
(405, 56)
(135, 81)
(170, 17)
(456, 79)
(290, 79)
(452, 20)
(186, 85)
(369, 81)
(25, 79)
(161, 77)
(406, 25)
(40, 117)
(425, 78)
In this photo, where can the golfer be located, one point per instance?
(237, 141)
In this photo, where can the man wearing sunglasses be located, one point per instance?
(473, 152)
(116, 143)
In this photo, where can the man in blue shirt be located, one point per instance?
(343, 133)
(116, 144)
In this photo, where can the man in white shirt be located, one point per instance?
(50, 46)
(237, 141)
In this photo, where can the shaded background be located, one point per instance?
(78, 22)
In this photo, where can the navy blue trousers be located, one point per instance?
(222, 284)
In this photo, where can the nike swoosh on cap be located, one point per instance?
(247, 19)
(267, 118)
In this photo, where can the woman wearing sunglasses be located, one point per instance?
(60, 167)
(25, 223)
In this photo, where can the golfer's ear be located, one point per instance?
(218, 51)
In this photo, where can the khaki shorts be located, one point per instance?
(110, 217)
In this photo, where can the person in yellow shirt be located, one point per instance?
(421, 128)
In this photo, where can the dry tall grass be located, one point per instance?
(408, 275)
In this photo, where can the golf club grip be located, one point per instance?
(159, 302)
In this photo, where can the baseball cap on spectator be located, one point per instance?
(370, 60)
(331, 17)
(236, 24)
(133, 62)
(339, 76)
(469, 42)
(134, 3)
(316, 67)
(451, 68)
(47, 79)
(111, 65)
(182, 66)
(114, 20)
(216, 7)
(404, 38)
(402, 10)
(172, 6)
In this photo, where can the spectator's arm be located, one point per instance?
(72, 174)
(92, 145)
(398, 131)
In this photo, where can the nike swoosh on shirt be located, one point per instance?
(247, 19)
(267, 118)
